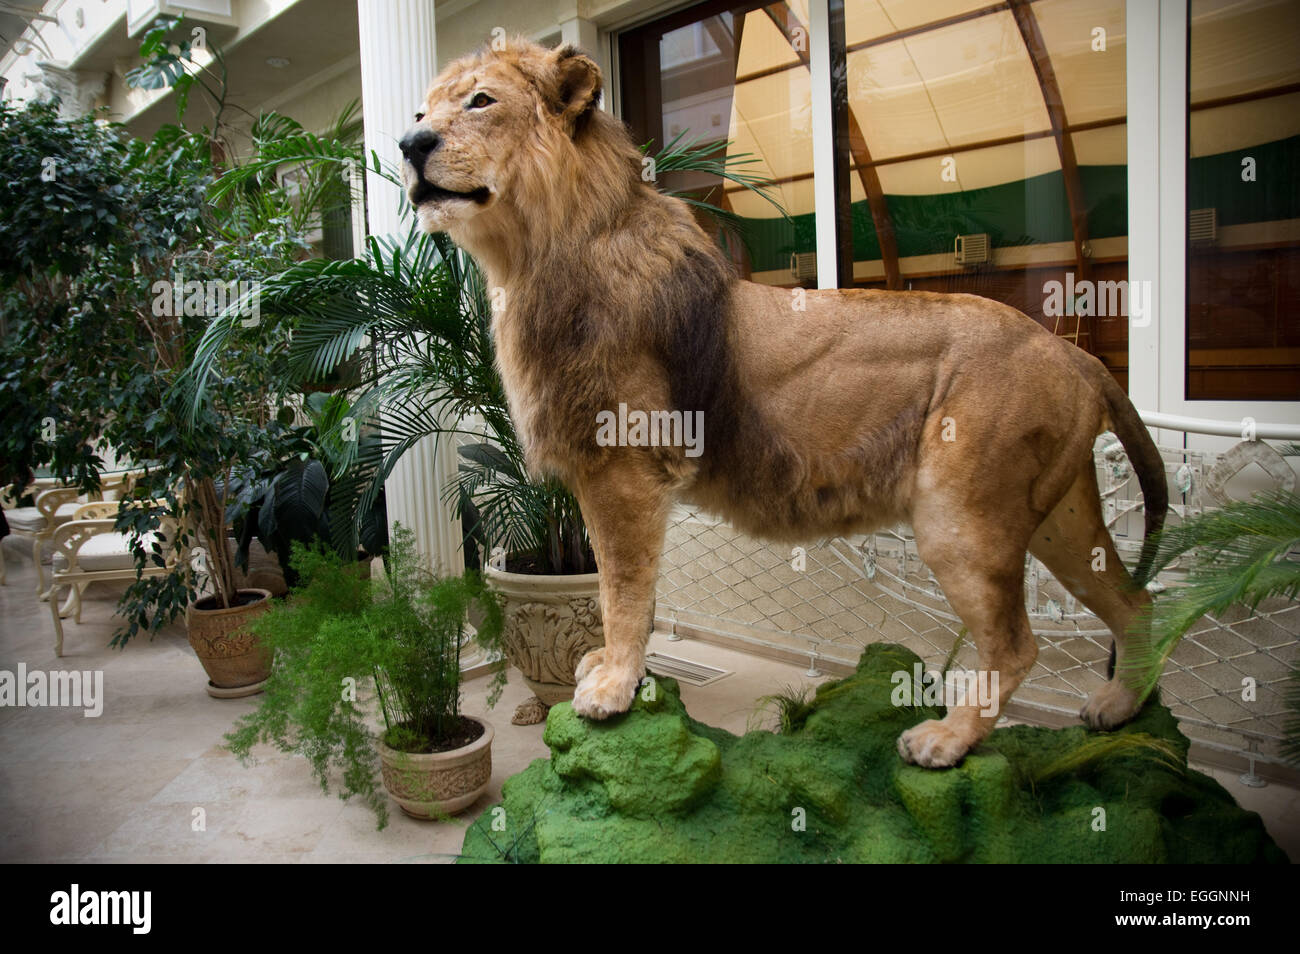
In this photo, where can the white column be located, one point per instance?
(823, 138)
(1171, 163)
(585, 35)
(398, 62)
(1142, 43)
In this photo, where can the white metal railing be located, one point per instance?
(1205, 425)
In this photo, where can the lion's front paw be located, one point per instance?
(932, 744)
(605, 691)
(589, 662)
(1110, 706)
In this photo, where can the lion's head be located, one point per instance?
(495, 127)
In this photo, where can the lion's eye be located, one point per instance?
(419, 116)
(481, 100)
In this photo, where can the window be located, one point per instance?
(737, 73)
(1243, 201)
(991, 157)
(333, 236)
(980, 147)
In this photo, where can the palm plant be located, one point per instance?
(421, 305)
(280, 179)
(686, 153)
(1244, 554)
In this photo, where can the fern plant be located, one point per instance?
(341, 634)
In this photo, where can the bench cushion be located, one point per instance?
(103, 551)
(31, 520)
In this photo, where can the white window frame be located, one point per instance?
(819, 55)
(1156, 43)
(823, 133)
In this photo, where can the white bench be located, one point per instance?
(55, 505)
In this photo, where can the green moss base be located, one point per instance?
(654, 785)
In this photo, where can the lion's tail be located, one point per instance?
(1147, 464)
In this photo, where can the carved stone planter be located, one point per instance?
(236, 663)
(431, 785)
(551, 622)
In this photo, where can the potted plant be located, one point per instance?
(208, 451)
(113, 236)
(347, 646)
(128, 241)
(195, 453)
(423, 305)
(547, 577)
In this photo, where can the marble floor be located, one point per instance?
(129, 785)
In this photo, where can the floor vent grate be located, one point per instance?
(684, 670)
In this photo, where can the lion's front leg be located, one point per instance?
(625, 506)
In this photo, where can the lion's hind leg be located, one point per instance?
(1074, 543)
(980, 567)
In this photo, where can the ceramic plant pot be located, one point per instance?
(234, 659)
(551, 622)
(436, 784)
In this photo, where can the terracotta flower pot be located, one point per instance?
(430, 785)
(551, 622)
(232, 657)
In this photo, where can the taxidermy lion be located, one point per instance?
(954, 413)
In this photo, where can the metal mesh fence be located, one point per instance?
(832, 598)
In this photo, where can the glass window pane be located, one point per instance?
(1091, 80)
(732, 74)
(958, 137)
(1243, 202)
(876, 19)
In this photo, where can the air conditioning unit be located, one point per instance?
(973, 249)
(803, 265)
(1202, 226)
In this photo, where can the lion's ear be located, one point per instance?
(579, 83)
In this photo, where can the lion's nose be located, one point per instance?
(417, 144)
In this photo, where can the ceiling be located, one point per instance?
(312, 36)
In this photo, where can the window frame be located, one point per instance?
(1158, 42)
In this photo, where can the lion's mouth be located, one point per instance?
(424, 191)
